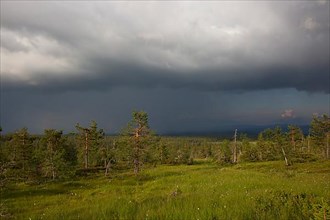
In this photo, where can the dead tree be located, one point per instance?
(235, 147)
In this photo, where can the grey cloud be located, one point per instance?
(210, 46)
(108, 75)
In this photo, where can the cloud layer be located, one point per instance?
(193, 66)
(209, 46)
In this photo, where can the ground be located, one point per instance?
(265, 190)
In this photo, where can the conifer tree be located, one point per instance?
(21, 150)
(296, 137)
(320, 133)
(89, 139)
(53, 153)
(138, 136)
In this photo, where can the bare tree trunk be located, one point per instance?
(136, 166)
(107, 167)
(308, 143)
(235, 147)
(327, 146)
(23, 149)
(86, 149)
(286, 159)
(52, 167)
(137, 152)
(161, 155)
(324, 213)
(53, 171)
(293, 142)
(136, 161)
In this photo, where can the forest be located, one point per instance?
(137, 156)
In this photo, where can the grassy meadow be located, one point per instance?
(205, 190)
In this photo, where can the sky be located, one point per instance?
(193, 66)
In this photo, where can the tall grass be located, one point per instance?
(267, 190)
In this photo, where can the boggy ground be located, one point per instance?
(265, 190)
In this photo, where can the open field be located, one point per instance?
(265, 190)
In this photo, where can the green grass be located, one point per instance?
(266, 190)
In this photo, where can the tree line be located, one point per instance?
(55, 155)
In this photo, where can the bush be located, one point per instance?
(304, 157)
(284, 205)
(224, 154)
(251, 153)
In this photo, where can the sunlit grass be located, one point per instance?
(202, 191)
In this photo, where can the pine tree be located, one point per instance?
(224, 153)
(138, 137)
(320, 133)
(20, 154)
(163, 153)
(296, 137)
(90, 139)
(52, 153)
(279, 139)
(107, 154)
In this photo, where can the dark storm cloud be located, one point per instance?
(170, 110)
(307, 79)
(193, 66)
(213, 46)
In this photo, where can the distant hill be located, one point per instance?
(251, 130)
